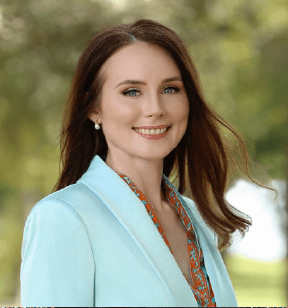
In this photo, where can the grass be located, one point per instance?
(258, 283)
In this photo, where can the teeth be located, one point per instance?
(151, 131)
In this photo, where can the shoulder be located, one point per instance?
(69, 193)
(53, 210)
(57, 218)
(71, 198)
(62, 207)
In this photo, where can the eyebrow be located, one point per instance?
(141, 82)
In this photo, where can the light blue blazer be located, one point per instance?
(93, 244)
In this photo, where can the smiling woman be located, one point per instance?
(152, 99)
(115, 231)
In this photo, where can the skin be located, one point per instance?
(152, 103)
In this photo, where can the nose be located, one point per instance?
(154, 105)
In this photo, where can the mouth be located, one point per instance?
(159, 135)
(155, 129)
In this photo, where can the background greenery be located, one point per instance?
(240, 49)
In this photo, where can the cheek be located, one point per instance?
(181, 116)
(180, 111)
(118, 110)
(185, 110)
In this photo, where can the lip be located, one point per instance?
(154, 137)
(152, 127)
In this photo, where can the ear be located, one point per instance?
(93, 115)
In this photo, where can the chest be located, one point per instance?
(176, 234)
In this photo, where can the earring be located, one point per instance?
(97, 126)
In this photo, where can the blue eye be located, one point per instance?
(131, 91)
(175, 89)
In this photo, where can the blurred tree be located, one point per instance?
(239, 48)
(40, 44)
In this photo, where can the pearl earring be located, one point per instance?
(97, 126)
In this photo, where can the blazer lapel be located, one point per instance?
(132, 214)
(214, 264)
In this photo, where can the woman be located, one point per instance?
(115, 231)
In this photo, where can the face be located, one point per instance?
(148, 101)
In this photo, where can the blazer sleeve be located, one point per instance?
(57, 264)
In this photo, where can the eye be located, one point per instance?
(173, 90)
(130, 92)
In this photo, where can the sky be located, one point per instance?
(265, 240)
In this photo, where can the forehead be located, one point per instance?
(140, 61)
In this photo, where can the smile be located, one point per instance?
(152, 134)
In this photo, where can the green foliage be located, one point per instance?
(239, 48)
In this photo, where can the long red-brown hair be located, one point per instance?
(210, 157)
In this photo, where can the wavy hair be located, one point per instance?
(210, 157)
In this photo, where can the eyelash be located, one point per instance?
(125, 92)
